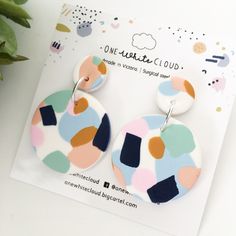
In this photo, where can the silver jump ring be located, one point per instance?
(168, 115)
(76, 87)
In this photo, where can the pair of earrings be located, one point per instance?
(155, 157)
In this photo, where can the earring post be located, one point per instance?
(168, 116)
(76, 87)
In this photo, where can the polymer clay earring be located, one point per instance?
(156, 157)
(70, 129)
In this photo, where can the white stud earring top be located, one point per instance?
(94, 70)
(176, 90)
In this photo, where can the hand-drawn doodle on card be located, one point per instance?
(56, 47)
(220, 60)
(84, 18)
(143, 41)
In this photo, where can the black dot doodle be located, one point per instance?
(80, 15)
(213, 82)
(83, 18)
(183, 34)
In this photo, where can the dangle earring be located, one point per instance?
(70, 129)
(156, 157)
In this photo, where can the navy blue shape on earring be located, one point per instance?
(48, 115)
(164, 190)
(130, 153)
(102, 136)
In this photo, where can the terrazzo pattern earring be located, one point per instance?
(70, 129)
(156, 157)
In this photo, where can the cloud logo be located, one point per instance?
(143, 41)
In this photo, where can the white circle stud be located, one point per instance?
(94, 70)
(177, 90)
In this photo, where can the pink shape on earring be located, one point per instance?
(36, 136)
(178, 84)
(138, 127)
(143, 179)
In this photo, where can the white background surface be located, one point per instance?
(26, 210)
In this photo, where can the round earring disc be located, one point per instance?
(178, 90)
(156, 166)
(94, 69)
(67, 135)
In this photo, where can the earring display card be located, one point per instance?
(139, 56)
